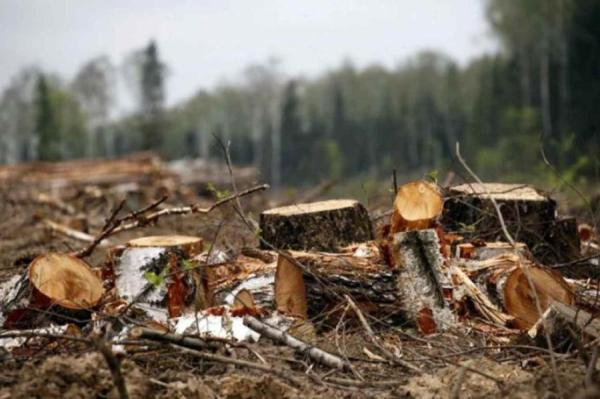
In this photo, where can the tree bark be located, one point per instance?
(156, 271)
(324, 226)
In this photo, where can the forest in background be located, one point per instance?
(539, 91)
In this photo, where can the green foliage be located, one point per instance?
(187, 264)
(219, 194)
(155, 279)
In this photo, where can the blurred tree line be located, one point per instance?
(538, 91)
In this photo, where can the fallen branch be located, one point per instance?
(142, 220)
(316, 354)
(175, 339)
(68, 231)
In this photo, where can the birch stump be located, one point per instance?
(156, 273)
(424, 280)
(321, 226)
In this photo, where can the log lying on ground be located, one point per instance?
(141, 167)
(157, 272)
(518, 286)
(530, 217)
(328, 277)
(487, 250)
(417, 205)
(314, 353)
(62, 282)
(423, 280)
(558, 316)
(324, 226)
(255, 274)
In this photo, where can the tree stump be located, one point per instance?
(62, 282)
(530, 217)
(424, 280)
(322, 226)
(417, 206)
(513, 283)
(156, 272)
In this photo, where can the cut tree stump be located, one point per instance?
(157, 272)
(322, 226)
(62, 282)
(326, 278)
(512, 282)
(417, 206)
(424, 280)
(530, 217)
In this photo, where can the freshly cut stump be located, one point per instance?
(417, 205)
(520, 299)
(513, 283)
(155, 273)
(529, 215)
(62, 282)
(321, 226)
(66, 281)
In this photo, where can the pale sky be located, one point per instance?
(207, 41)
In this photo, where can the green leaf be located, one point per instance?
(187, 264)
(154, 279)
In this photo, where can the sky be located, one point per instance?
(206, 42)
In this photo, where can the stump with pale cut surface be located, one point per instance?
(323, 226)
(63, 283)
(529, 215)
(156, 272)
(519, 286)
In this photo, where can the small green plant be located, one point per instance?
(432, 176)
(155, 279)
(219, 194)
(187, 264)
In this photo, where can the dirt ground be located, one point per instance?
(463, 363)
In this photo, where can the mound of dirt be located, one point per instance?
(65, 377)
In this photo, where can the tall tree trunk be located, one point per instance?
(545, 87)
(525, 77)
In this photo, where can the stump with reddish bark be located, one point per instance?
(322, 226)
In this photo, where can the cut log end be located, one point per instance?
(290, 290)
(520, 297)
(66, 281)
(416, 206)
(164, 241)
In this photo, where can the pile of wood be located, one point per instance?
(317, 260)
(136, 168)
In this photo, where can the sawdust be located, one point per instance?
(440, 385)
